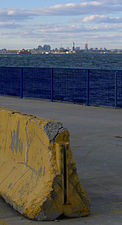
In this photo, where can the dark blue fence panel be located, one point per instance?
(119, 88)
(102, 87)
(37, 83)
(69, 85)
(85, 86)
(10, 81)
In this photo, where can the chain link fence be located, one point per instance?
(77, 85)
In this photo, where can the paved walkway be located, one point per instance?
(96, 142)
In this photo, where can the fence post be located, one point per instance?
(21, 82)
(51, 84)
(87, 87)
(116, 89)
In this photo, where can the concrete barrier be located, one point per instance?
(38, 174)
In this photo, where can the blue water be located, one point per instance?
(83, 60)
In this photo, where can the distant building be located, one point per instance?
(77, 48)
(62, 49)
(46, 48)
(73, 46)
(86, 46)
(4, 49)
(43, 48)
(40, 48)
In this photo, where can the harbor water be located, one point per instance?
(81, 59)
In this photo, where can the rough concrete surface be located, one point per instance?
(96, 142)
(38, 176)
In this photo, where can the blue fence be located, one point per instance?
(84, 86)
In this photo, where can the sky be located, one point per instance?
(30, 23)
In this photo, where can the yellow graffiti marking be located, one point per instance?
(96, 214)
(117, 211)
(38, 175)
(3, 222)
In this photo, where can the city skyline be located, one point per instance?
(27, 24)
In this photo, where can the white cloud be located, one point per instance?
(14, 14)
(11, 12)
(101, 19)
(72, 30)
(69, 9)
(74, 9)
(9, 25)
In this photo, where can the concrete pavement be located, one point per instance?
(96, 142)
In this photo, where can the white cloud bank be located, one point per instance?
(93, 17)
(70, 9)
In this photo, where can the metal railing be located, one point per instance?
(84, 86)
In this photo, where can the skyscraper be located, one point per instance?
(86, 46)
(73, 46)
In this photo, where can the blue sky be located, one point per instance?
(27, 23)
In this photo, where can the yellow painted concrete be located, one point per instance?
(32, 168)
(3, 222)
